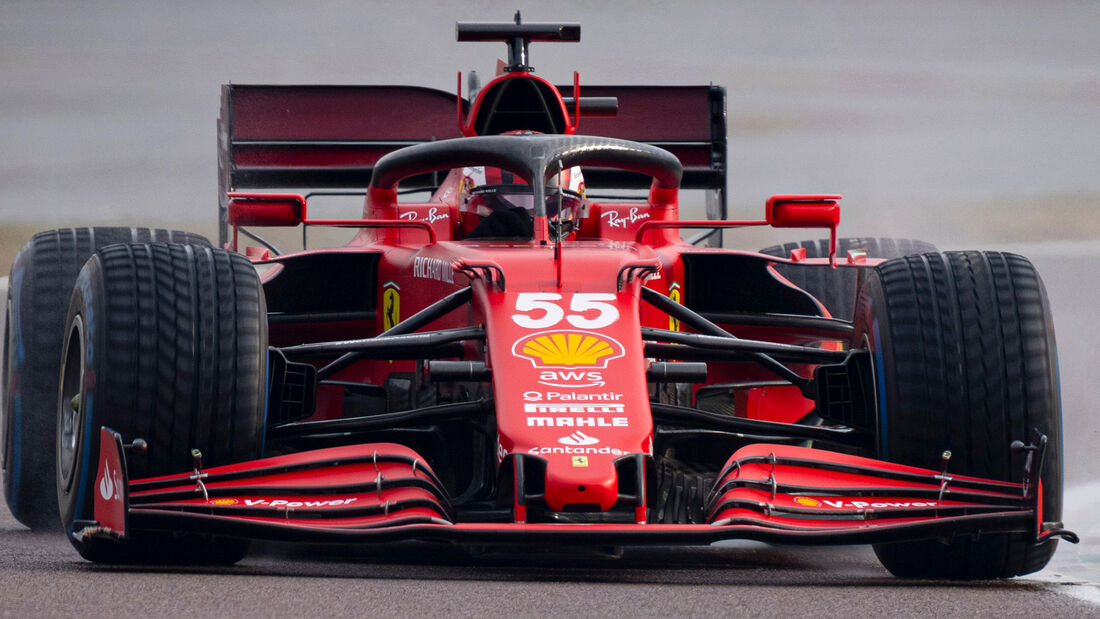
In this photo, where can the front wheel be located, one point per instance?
(965, 361)
(166, 343)
(39, 288)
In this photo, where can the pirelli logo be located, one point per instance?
(554, 409)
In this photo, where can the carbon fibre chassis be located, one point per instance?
(769, 493)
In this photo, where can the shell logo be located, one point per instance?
(807, 501)
(567, 349)
(223, 501)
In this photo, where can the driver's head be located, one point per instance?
(487, 190)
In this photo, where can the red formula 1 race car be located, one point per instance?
(532, 355)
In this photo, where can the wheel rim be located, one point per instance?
(70, 401)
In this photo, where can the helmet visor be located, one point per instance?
(499, 197)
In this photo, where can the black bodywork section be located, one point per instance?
(519, 104)
(740, 283)
(324, 287)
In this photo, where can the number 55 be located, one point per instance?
(552, 313)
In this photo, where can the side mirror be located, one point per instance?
(808, 211)
(260, 209)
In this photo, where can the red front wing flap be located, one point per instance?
(360, 486)
(799, 488)
(383, 491)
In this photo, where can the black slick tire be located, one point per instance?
(836, 288)
(39, 288)
(965, 361)
(166, 343)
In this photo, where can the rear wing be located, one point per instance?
(312, 138)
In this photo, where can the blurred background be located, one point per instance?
(972, 124)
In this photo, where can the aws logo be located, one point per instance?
(568, 349)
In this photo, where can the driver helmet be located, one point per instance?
(488, 189)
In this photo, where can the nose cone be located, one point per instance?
(584, 477)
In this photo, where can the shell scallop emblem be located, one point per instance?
(807, 501)
(568, 349)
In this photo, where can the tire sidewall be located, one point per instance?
(73, 496)
(27, 434)
(14, 357)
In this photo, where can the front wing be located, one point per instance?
(385, 492)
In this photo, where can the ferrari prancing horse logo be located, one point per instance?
(391, 305)
(674, 294)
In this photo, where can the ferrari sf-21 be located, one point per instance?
(523, 345)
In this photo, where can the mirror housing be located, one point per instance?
(260, 209)
(803, 211)
(806, 211)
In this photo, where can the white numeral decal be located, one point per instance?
(535, 301)
(588, 301)
(552, 313)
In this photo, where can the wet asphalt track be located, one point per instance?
(40, 576)
(969, 124)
